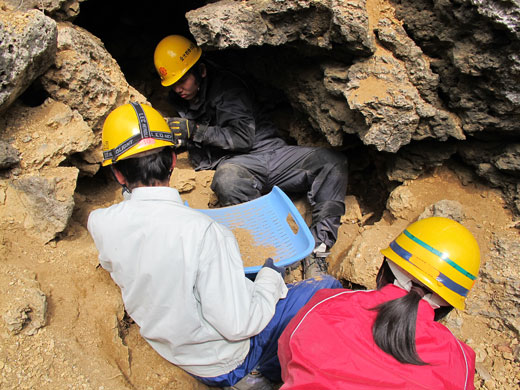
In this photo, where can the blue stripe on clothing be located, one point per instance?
(263, 352)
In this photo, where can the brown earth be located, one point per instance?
(252, 253)
(85, 340)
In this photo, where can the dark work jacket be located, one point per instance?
(231, 122)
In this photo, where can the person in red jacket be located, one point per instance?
(389, 338)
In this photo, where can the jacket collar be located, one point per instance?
(156, 193)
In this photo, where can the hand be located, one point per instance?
(269, 263)
(183, 130)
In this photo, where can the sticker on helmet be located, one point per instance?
(187, 52)
(146, 142)
(163, 72)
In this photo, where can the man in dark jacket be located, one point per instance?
(224, 129)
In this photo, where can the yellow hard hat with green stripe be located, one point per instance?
(440, 253)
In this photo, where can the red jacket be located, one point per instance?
(329, 345)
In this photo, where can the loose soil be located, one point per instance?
(252, 253)
(88, 343)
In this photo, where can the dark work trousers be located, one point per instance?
(321, 173)
(263, 350)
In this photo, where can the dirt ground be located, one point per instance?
(81, 339)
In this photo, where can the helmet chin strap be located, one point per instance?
(125, 190)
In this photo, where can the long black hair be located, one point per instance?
(394, 327)
(148, 170)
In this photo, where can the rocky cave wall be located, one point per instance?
(409, 84)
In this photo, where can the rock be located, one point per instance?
(504, 13)
(445, 208)
(479, 53)
(401, 202)
(329, 24)
(394, 111)
(498, 273)
(316, 92)
(412, 160)
(27, 50)
(25, 305)
(58, 9)
(41, 203)
(360, 264)
(95, 83)
(352, 210)
(9, 156)
(498, 164)
(48, 134)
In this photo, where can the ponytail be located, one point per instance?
(394, 327)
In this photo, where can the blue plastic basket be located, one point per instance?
(267, 220)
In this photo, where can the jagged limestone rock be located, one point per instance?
(41, 203)
(86, 77)
(57, 9)
(27, 49)
(47, 134)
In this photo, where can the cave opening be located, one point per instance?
(130, 35)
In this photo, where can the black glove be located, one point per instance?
(269, 263)
(183, 130)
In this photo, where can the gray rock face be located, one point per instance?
(386, 97)
(498, 163)
(400, 81)
(475, 46)
(329, 24)
(9, 156)
(27, 49)
(499, 272)
(86, 78)
(57, 9)
(504, 12)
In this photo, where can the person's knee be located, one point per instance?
(327, 159)
(328, 281)
(234, 184)
(226, 175)
(337, 160)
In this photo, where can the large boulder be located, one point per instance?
(57, 9)
(86, 77)
(27, 49)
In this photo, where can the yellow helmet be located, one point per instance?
(173, 57)
(440, 253)
(131, 129)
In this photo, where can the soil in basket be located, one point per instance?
(252, 253)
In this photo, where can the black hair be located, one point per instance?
(148, 170)
(394, 327)
(196, 69)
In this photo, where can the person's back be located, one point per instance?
(165, 257)
(180, 272)
(344, 355)
(389, 338)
